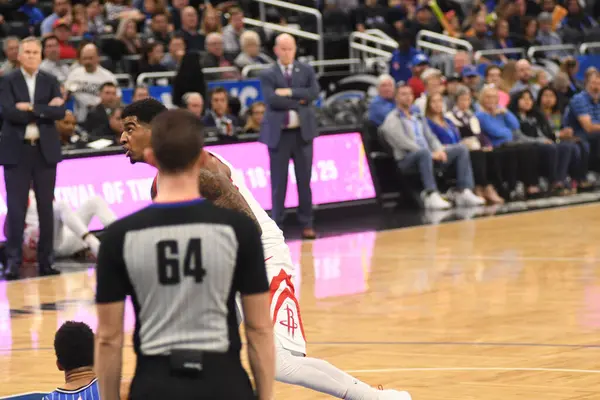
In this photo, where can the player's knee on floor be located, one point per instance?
(287, 366)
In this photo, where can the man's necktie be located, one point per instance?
(288, 79)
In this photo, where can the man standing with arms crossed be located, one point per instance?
(221, 183)
(29, 151)
(288, 129)
(183, 260)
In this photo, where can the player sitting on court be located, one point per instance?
(74, 347)
(71, 235)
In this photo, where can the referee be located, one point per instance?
(183, 260)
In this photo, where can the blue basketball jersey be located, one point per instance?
(87, 392)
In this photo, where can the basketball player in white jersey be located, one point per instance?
(224, 185)
(71, 234)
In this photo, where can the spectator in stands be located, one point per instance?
(151, 57)
(419, 64)
(577, 18)
(11, 52)
(97, 121)
(115, 121)
(233, 31)
(471, 79)
(67, 130)
(433, 84)
(547, 37)
(140, 93)
(529, 30)
(447, 132)
(423, 20)
(211, 21)
(479, 35)
(402, 58)
(52, 62)
(122, 9)
(542, 78)
(256, 114)
(35, 16)
(189, 78)
(385, 101)
(554, 158)
(62, 31)
(453, 82)
(79, 25)
(74, 348)
(194, 103)
(96, 22)
(583, 115)
(502, 127)
(251, 54)
(461, 60)
(562, 85)
(371, 15)
(176, 7)
(416, 149)
(551, 109)
(194, 41)
(570, 66)
(127, 36)
(218, 116)
(524, 75)
(172, 59)
(159, 29)
(85, 80)
(509, 76)
(62, 9)
(502, 41)
(215, 56)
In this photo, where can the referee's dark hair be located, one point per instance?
(74, 346)
(144, 110)
(177, 140)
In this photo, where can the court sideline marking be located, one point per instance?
(388, 370)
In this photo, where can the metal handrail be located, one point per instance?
(315, 63)
(284, 29)
(586, 46)
(495, 52)
(125, 77)
(553, 47)
(301, 9)
(374, 36)
(171, 74)
(423, 35)
(370, 49)
(380, 33)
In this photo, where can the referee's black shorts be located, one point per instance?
(222, 378)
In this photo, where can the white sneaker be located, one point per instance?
(394, 395)
(435, 202)
(93, 243)
(468, 199)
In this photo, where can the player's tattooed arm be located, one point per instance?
(219, 189)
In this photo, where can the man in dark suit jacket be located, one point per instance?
(29, 151)
(289, 127)
(97, 122)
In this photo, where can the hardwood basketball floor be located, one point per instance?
(496, 309)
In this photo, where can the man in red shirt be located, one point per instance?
(419, 63)
(62, 31)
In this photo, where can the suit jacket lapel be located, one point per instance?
(38, 88)
(21, 86)
(295, 74)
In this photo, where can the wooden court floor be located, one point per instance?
(496, 309)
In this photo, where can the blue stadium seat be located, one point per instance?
(586, 61)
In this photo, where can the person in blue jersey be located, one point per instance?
(74, 348)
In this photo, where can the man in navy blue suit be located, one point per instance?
(29, 151)
(289, 127)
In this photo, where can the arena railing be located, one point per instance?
(316, 63)
(555, 47)
(295, 7)
(497, 52)
(431, 41)
(377, 38)
(583, 49)
(141, 79)
(121, 78)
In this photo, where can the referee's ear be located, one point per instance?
(149, 156)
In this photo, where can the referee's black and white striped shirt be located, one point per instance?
(182, 264)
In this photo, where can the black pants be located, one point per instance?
(223, 377)
(18, 178)
(487, 168)
(519, 163)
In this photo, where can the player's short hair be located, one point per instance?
(177, 140)
(74, 345)
(144, 110)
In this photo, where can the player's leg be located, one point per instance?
(96, 207)
(75, 224)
